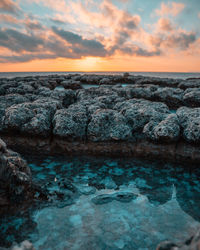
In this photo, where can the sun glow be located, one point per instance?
(88, 63)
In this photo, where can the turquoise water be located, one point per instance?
(102, 203)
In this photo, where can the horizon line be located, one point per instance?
(83, 71)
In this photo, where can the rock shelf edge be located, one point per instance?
(180, 152)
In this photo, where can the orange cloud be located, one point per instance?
(8, 18)
(171, 8)
(165, 24)
(9, 6)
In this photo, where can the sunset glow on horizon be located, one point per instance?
(101, 35)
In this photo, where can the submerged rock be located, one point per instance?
(118, 196)
(102, 199)
(25, 245)
(124, 196)
(192, 243)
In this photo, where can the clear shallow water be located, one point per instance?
(152, 74)
(108, 204)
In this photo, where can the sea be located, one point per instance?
(175, 75)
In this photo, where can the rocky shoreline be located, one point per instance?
(122, 115)
(132, 115)
(16, 186)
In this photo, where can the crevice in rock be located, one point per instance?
(87, 124)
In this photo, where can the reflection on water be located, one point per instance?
(88, 86)
(108, 204)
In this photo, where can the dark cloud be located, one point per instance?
(142, 52)
(25, 58)
(33, 25)
(80, 45)
(9, 6)
(179, 40)
(18, 41)
(32, 46)
(131, 24)
(60, 49)
(135, 50)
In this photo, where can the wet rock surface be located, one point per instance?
(193, 243)
(15, 177)
(17, 189)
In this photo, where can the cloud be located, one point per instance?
(80, 45)
(199, 14)
(9, 6)
(8, 18)
(18, 41)
(138, 51)
(168, 36)
(59, 43)
(57, 21)
(179, 40)
(170, 8)
(126, 27)
(164, 24)
(32, 24)
(94, 30)
(25, 58)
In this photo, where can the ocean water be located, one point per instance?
(107, 203)
(175, 75)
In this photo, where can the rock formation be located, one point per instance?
(16, 186)
(144, 114)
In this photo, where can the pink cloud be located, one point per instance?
(9, 6)
(8, 19)
(172, 9)
(178, 40)
(164, 24)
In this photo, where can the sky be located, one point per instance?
(100, 35)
